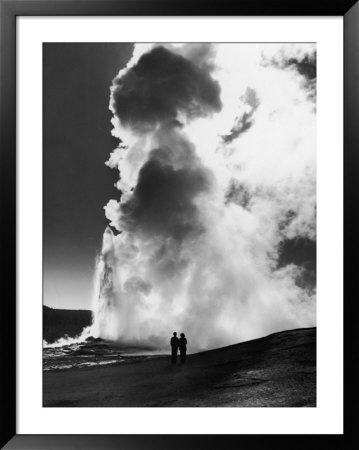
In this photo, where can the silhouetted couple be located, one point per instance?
(180, 344)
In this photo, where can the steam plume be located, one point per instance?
(216, 171)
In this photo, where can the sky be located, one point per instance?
(76, 183)
(189, 173)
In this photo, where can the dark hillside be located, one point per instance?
(59, 322)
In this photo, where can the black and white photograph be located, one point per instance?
(179, 224)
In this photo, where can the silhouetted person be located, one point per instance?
(174, 347)
(183, 347)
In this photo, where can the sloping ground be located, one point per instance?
(59, 322)
(277, 370)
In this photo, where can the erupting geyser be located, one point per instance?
(216, 169)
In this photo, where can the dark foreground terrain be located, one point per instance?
(277, 370)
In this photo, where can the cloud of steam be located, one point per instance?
(163, 201)
(161, 85)
(244, 121)
(302, 62)
(217, 170)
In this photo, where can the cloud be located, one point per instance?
(163, 201)
(304, 63)
(237, 194)
(217, 179)
(160, 86)
(244, 121)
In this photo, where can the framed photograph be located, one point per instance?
(174, 182)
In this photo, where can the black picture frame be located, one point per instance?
(9, 11)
